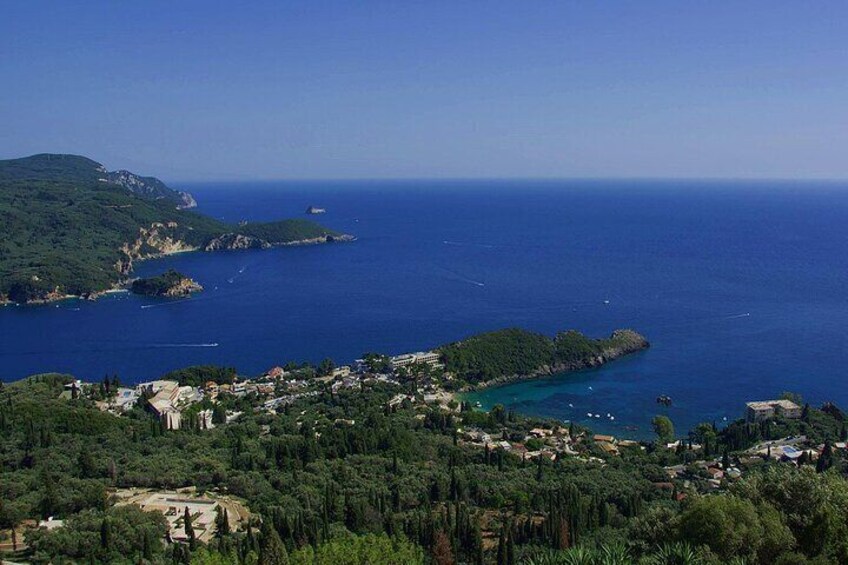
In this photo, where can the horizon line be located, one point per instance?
(511, 179)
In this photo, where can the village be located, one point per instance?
(420, 383)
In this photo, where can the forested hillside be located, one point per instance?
(392, 482)
(68, 229)
(513, 352)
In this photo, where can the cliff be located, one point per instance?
(150, 188)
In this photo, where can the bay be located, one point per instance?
(740, 287)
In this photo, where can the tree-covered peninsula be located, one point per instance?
(511, 354)
(70, 227)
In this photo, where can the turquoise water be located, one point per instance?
(741, 288)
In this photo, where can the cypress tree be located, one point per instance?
(105, 534)
(271, 548)
(510, 546)
(501, 548)
(189, 530)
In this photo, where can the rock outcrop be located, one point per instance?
(150, 188)
(235, 241)
(167, 285)
(157, 240)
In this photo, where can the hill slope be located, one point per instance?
(71, 227)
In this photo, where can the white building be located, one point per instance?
(425, 357)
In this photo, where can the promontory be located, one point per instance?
(504, 356)
(72, 228)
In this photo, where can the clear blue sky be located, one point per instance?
(214, 90)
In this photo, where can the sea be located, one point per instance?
(740, 286)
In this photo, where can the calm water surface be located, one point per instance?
(741, 288)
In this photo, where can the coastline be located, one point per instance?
(123, 285)
(631, 342)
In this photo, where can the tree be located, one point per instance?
(728, 525)
(442, 552)
(663, 428)
(825, 459)
(219, 414)
(189, 529)
(326, 367)
(222, 522)
(357, 550)
(105, 534)
(271, 548)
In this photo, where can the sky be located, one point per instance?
(211, 90)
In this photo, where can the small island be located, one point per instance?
(170, 284)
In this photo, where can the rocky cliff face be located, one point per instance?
(236, 241)
(184, 287)
(150, 188)
(155, 241)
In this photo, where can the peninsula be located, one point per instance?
(509, 355)
(72, 228)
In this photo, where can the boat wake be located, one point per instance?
(733, 317)
(461, 278)
(461, 244)
(146, 306)
(214, 344)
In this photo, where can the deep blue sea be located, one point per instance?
(740, 286)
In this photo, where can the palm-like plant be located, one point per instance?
(679, 553)
(613, 554)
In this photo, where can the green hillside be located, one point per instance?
(64, 226)
(513, 352)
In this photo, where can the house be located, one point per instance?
(715, 473)
(124, 399)
(343, 422)
(540, 432)
(341, 372)
(204, 419)
(276, 373)
(211, 389)
(608, 448)
(425, 357)
(166, 395)
(603, 438)
(766, 409)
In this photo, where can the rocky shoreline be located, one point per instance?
(628, 341)
(170, 284)
(165, 246)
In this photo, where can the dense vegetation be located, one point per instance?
(508, 352)
(285, 231)
(198, 375)
(63, 227)
(159, 285)
(398, 486)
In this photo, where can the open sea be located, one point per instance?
(741, 287)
